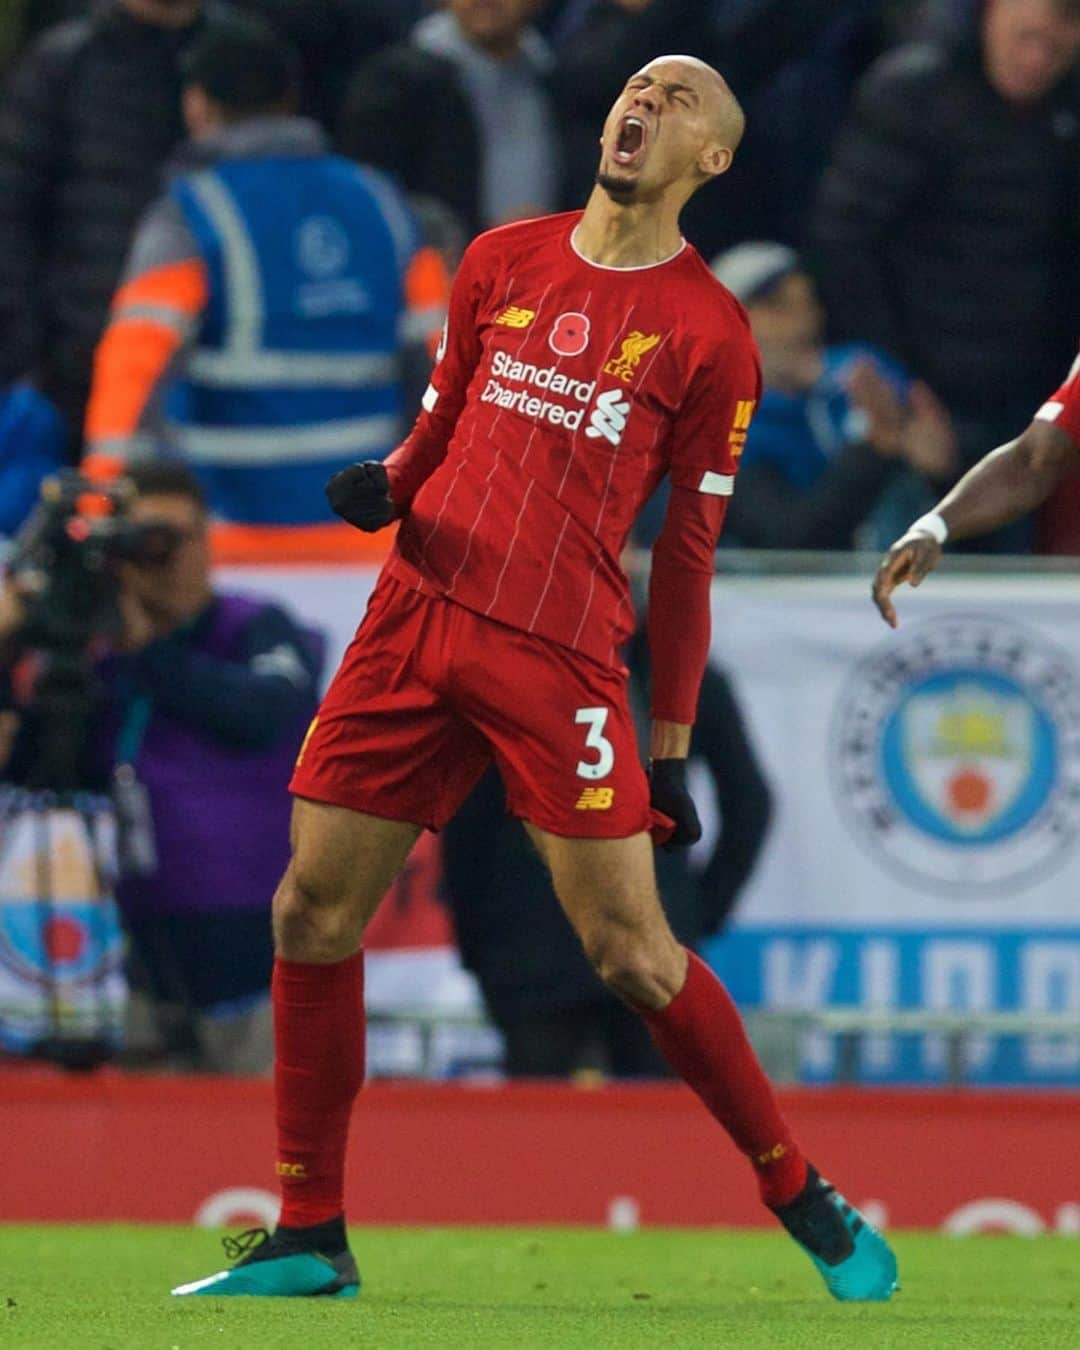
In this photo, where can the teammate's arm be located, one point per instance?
(1006, 484)
(370, 495)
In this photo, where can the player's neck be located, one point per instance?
(627, 236)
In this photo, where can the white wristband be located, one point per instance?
(931, 524)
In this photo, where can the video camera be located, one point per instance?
(66, 560)
(66, 565)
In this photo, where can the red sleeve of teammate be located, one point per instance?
(707, 442)
(421, 453)
(1063, 408)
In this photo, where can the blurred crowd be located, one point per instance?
(227, 236)
(917, 162)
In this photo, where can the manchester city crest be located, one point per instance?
(61, 948)
(957, 754)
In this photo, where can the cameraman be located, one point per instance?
(204, 698)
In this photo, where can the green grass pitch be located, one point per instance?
(106, 1288)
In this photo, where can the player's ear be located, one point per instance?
(715, 159)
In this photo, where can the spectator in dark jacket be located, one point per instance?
(88, 118)
(24, 19)
(332, 38)
(842, 440)
(461, 112)
(948, 224)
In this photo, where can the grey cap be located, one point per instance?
(750, 271)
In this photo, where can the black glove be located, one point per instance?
(360, 494)
(668, 793)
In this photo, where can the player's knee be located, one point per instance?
(310, 922)
(634, 964)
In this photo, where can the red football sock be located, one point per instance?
(701, 1035)
(318, 1070)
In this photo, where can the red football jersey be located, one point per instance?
(1063, 408)
(563, 393)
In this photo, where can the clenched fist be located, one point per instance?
(669, 794)
(360, 494)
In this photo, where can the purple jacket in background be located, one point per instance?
(221, 813)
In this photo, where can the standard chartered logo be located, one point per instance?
(609, 417)
(505, 371)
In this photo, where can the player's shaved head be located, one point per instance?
(722, 108)
(674, 127)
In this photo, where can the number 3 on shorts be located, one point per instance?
(594, 719)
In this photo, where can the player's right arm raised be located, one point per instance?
(1005, 485)
(371, 494)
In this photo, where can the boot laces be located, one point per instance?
(245, 1242)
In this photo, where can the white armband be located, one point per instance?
(931, 524)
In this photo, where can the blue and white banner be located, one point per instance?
(928, 776)
(927, 783)
(977, 970)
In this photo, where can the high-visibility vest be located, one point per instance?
(296, 369)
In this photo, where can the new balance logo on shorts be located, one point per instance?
(609, 417)
(596, 799)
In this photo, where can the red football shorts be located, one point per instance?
(429, 694)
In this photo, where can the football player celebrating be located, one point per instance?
(586, 356)
(1002, 487)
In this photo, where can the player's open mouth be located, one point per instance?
(630, 140)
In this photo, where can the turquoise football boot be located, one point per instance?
(852, 1257)
(279, 1266)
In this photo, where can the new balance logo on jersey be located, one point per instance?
(515, 317)
(609, 417)
(596, 799)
